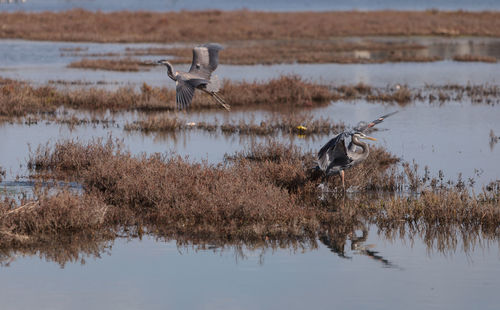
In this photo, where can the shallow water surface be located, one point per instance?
(156, 275)
(363, 270)
(41, 62)
(453, 138)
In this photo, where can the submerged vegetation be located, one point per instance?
(267, 194)
(282, 123)
(124, 64)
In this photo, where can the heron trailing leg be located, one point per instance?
(221, 101)
(218, 98)
(342, 177)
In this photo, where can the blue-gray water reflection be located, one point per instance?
(41, 62)
(149, 274)
(261, 5)
(152, 274)
(453, 137)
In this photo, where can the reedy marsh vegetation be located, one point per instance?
(264, 196)
(20, 99)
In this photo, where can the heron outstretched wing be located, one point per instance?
(205, 60)
(362, 126)
(334, 153)
(184, 93)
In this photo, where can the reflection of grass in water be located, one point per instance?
(121, 64)
(493, 138)
(293, 123)
(7, 190)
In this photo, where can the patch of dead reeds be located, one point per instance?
(262, 195)
(187, 197)
(21, 99)
(295, 51)
(475, 58)
(126, 26)
(285, 90)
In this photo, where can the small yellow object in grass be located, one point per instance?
(301, 128)
(191, 124)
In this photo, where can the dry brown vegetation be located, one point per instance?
(489, 94)
(298, 51)
(20, 99)
(264, 195)
(80, 25)
(479, 58)
(123, 64)
(204, 199)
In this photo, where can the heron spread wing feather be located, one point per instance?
(334, 153)
(362, 126)
(205, 60)
(184, 94)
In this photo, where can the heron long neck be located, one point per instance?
(170, 71)
(364, 148)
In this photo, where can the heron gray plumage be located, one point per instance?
(334, 157)
(205, 61)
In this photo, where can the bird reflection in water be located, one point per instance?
(336, 242)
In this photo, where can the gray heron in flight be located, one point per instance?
(334, 157)
(205, 61)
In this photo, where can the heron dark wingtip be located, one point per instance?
(387, 115)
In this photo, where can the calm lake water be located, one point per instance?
(156, 275)
(261, 5)
(371, 272)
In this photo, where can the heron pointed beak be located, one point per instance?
(370, 138)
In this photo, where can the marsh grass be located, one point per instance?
(124, 26)
(475, 58)
(264, 195)
(293, 51)
(20, 99)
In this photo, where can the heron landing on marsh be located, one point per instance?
(334, 157)
(205, 61)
